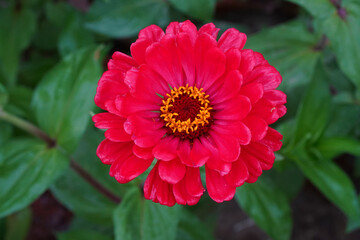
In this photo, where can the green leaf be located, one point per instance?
(5, 134)
(191, 228)
(70, 22)
(77, 194)
(74, 36)
(344, 34)
(331, 147)
(17, 28)
(200, 9)
(313, 113)
(64, 98)
(268, 206)
(137, 218)
(19, 99)
(82, 235)
(125, 18)
(18, 225)
(291, 49)
(330, 180)
(85, 155)
(287, 177)
(27, 168)
(3, 96)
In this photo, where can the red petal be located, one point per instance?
(252, 163)
(138, 49)
(182, 196)
(192, 157)
(193, 182)
(233, 59)
(276, 97)
(228, 146)
(166, 148)
(254, 91)
(211, 68)
(121, 62)
(187, 57)
(248, 62)
(171, 171)
(117, 135)
(265, 110)
(257, 126)
(234, 109)
(110, 85)
(266, 75)
(145, 153)
(209, 29)
(184, 27)
(232, 38)
(109, 151)
(153, 33)
(198, 154)
(263, 153)
(149, 188)
(238, 174)
(272, 139)
(161, 60)
(129, 105)
(130, 168)
(214, 161)
(219, 190)
(147, 84)
(237, 129)
(108, 120)
(229, 88)
(164, 192)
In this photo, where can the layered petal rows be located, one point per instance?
(184, 101)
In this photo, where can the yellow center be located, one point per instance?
(186, 109)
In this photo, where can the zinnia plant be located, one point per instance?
(189, 101)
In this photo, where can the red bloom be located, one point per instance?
(189, 101)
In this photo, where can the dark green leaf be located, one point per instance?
(64, 98)
(330, 180)
(344, 33)
(191, 228)
(137, 218)
(3, 96)
(74, 37)
(77, 194)
(18, 225)
(82, 235)
(125, 18)
(291, 49)
(331, 147)
(27, 168)
(342, 120)
(5, 133)
(200, 9)
(85, 155)
(313, 113)
(287, 177)
(268, 206)
(17, 28)
(19, 99)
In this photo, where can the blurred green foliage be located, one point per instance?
(51, 57)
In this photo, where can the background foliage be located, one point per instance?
(52, 54)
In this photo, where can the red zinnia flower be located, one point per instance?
(189, 100)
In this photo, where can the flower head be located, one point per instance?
(189, 101)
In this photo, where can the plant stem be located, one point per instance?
(85, 175)
(34, 130)
(28, 127)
